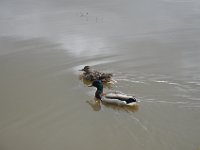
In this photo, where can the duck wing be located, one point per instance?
(120, 97)
(106, 75)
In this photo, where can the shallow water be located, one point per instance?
(151, 47)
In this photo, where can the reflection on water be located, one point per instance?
(80, 46)
(95, 104)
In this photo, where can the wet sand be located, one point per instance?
(151, 47)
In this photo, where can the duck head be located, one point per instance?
(99, 85)
(87, 69)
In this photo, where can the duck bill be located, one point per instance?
(81, 70)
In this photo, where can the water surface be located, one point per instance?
(152, 47)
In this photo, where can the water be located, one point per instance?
(152, 47)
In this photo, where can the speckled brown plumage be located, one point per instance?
(91, 75)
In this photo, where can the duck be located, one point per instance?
(112, 97)
(92, 75)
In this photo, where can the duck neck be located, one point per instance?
(99, 92)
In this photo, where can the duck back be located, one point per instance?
(120, 99)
